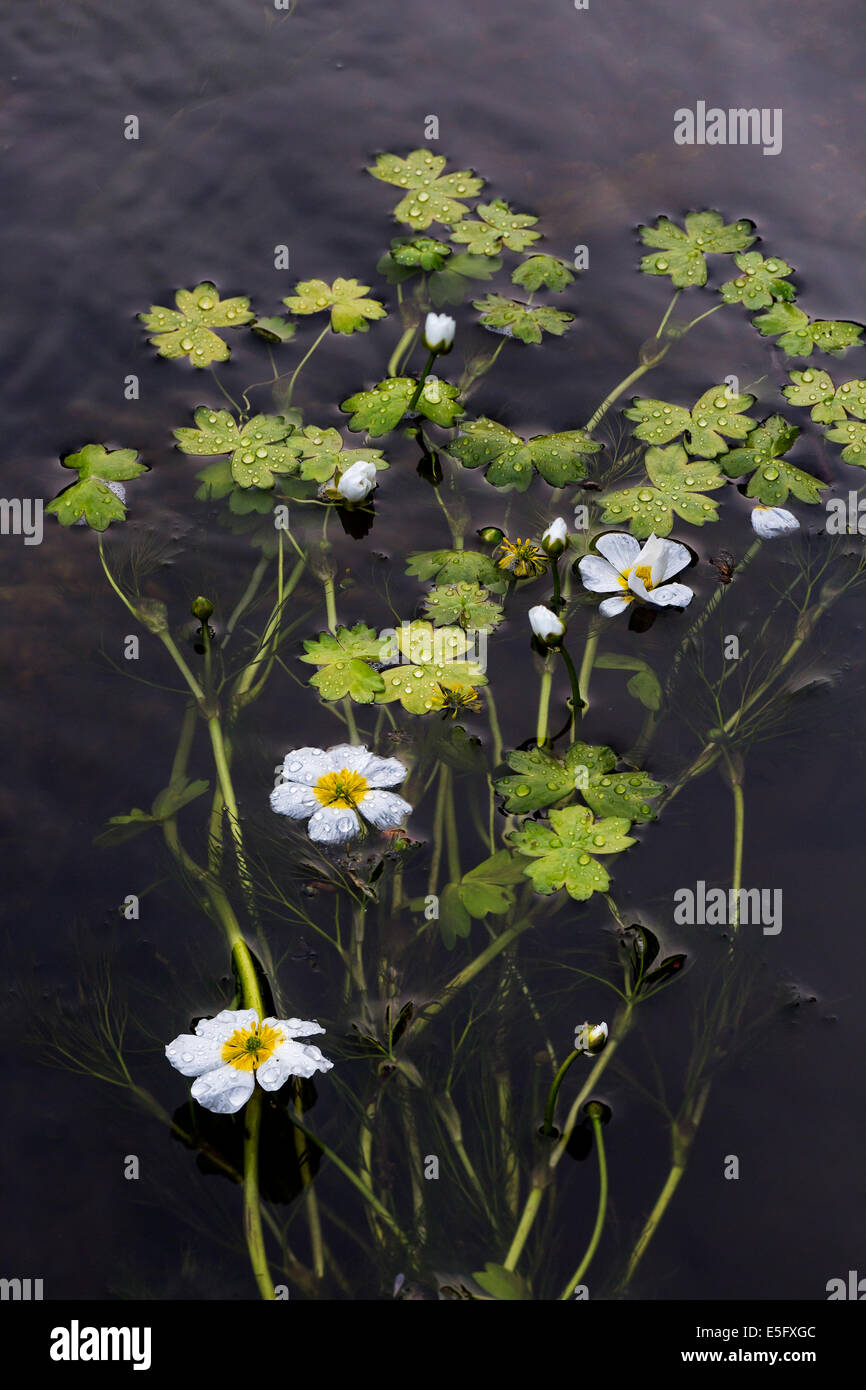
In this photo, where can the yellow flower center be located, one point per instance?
(641, 571)
(522, 558)
(344, 789)
(247, 1048)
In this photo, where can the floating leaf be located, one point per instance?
(347, 300)
(815, 388)
(260, 449)
(465, 604)
(189, 332)
(275, 329)
(564, 852)
(799, 334)
(431, 195)
(90, 496)
(717, 412)
(516, 320)
(760, 283)
(536, 271)
(498, 227)
(322, 455)
(509, 459)
(344, 657)
(681, 254)
(587, 770)
(381, 409)
(451, 566)
(679, 484)
(772, 478)
(853, 435)
(483, 890)
(431, 656)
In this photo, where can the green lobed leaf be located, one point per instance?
(188, 331)
(260, 449)
(347, 300)
(681, 252)
(799, 334)
(564, 853)
(90, 498)
(716, 413)
(853, 435)
(498, 226)
(548, 271)
(465, 604)
(502, 1283)
(676, 485)
(431, 657)
(431, 196)
(516, 320)
(451, 284)
(644, 685)
(510, 459)
(772, 477)
(275, 329)
(760, 283)
(452, 566)
(586, 770)
(381, 409)
(815, 388)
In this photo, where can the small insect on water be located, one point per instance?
(725, 565)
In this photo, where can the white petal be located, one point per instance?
(223, 1024)
(333, 825)
(291, 1059)
(598, 575)
(294, 799)
(379, 772)
(546, 624)
(294, 1027)
(192, 1056)
(384, 809)
(770, 522)
(306, 765)
(619, 548)
(609, 607)
(670, 596)
(670, 558)
(223, 1091)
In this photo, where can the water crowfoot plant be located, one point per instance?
(499, 910)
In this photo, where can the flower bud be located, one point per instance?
(490, 535)
(357, 482)
(590, 1037)
(555, 538)
(439, 330)
(546, 626)
(201, 608)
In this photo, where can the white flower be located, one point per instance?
(590, 1037)
(335, 787)
(640, 570)
(555, 537)
(439, 330)
(770, 522)
(548, 628)
(229, 1053)
(358, 481)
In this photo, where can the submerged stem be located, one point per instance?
(595, 1117)
(252, 1207)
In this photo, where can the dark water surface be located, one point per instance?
(256, 126)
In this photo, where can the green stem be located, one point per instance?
(303, 361)
(468, 973)
(595, 1116)
(576, 693)
(586, 665)
(550, 1107)
(422, 378)
(246, 597)
(544, 703)
(314, 1221)
(661, 328)
(402, 346)
(252, 1207)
